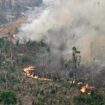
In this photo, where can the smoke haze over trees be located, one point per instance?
(52, 52)
(69, 23)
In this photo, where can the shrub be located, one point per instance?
(93, 99)
(8, 98)
(55, 76)
(39, 101)
(66, 84)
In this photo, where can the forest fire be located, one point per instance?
(86, 88)
(14, 36)
(32, 72)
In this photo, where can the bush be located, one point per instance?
(39, 100)
(93, 99)
(55, 76)
(66, 84)
(8, 98)
(36, 103)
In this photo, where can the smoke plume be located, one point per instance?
(69, 23)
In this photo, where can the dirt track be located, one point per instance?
(12, 27)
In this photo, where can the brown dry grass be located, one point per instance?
(11, 28)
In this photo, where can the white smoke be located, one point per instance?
(70, 22)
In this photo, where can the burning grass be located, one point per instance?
(41, 87)
(34, 72)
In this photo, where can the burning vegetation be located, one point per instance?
(55, 81)
(36, 73)
(86, 88)
(64, 54)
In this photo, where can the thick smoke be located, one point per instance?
(67, 23)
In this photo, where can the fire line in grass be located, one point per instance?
(34, 72)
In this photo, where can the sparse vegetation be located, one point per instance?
(58, 91)
(92, 99)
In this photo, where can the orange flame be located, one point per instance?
(86, 88)
(14, 35)
(28, 70)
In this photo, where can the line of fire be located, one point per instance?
(39, 72)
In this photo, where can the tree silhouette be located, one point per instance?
(76, 59)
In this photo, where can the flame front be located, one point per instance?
(86, 88)
(83, 89)
(29, 72)
(14, 36)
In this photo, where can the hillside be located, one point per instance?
(57, 89)
(13, 9)
(52, 52)
(12, 27)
